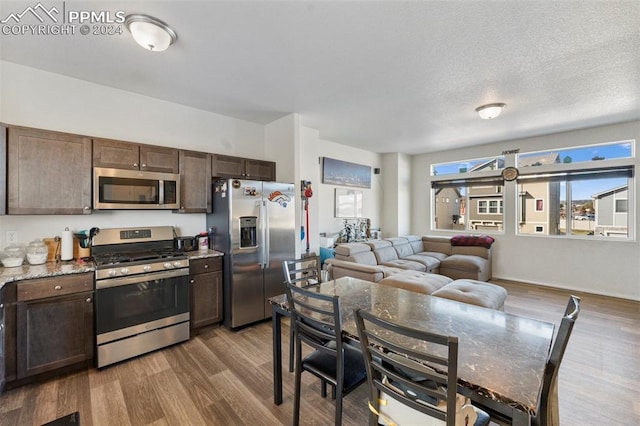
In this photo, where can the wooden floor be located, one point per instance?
(224, 378)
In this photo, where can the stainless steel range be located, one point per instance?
(142, 292)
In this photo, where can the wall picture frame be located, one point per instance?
(348, 203)
(338, 172)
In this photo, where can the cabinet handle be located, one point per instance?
(135, 164)
(58, 287)
(143, 165)
(88, 300)
(206, 266)
(191, 281)
(87, 208)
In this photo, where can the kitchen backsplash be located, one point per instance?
(30, 227)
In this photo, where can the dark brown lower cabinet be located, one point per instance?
(206, 291)
(54, 331)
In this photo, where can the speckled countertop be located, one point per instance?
(501, 356)
(49, 269)
(52, 269)
(204, 254)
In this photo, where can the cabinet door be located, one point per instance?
(206, 299)
(158, 159)
(225, 166)
(48, 172)
(116, 154)
(195, 182)
(54, 332)
(260, 170)
(8, 300)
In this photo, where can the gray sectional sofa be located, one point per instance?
(454, 268)
(378, 259)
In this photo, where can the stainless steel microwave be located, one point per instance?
(119, 189)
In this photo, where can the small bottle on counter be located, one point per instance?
(203, 241)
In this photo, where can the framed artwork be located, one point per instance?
(337, 172)
(348, 203)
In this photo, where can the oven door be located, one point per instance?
(125, 305)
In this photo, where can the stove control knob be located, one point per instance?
(167, 265)
(177, 264)
(124, 271)
(146, 268)
(112, 273)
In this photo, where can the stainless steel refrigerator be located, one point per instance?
(254, 226)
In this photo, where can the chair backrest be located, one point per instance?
(302, 272)
(316, 319)
(397, 359)
(545, 403)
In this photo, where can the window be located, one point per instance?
(587, 199)
(583, 192)
(470, 208)
(490, 207)
(621, 206)
(585, 154)
(468, 166)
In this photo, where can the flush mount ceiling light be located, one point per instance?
(150, 33)
(489, 111)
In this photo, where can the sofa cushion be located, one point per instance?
(475, 293)
(431, 263)
(434, 254)
(402, 246)
(350, 249)
(437, 244)
(405, 264)
(420, 282)
(459, 266)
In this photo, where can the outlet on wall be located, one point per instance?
(11, 237)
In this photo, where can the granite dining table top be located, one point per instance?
(501, 356)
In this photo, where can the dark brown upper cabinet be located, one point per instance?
(195, 182)
(48, 172)
(132, 156)
(225, 166)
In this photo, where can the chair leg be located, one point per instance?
(323, 389)
(338, 407)
(298, 374)
(291, 348)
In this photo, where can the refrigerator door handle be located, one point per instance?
(265, 244)
(263, 235)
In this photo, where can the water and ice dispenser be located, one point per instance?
(248, 232)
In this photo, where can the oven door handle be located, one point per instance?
(140, 278)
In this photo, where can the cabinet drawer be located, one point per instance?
(55, 286)
(209, 264)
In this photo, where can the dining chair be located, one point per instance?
(317, 321)
(412, 375)
(302, 272)
(547, 413)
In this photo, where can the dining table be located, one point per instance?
(501, 356)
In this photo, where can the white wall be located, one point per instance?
(312, 148)
(396, 207)
(39, 99)
(608, 267)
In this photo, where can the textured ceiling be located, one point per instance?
(384, 76)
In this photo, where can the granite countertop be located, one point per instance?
(52, 269)
(49, 269)
(501, 356)
(203, 254)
